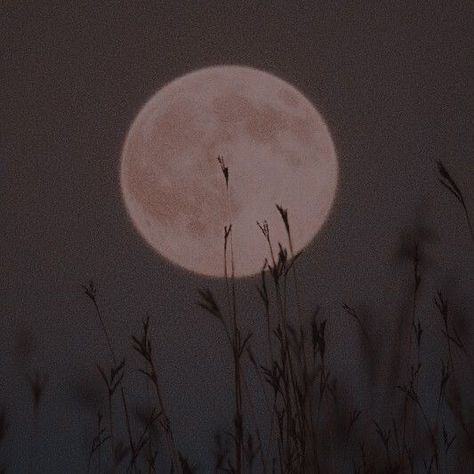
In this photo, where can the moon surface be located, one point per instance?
(276, 146)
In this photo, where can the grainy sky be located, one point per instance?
(394, 83)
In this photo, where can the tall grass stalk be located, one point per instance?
(448, 182)
(237, 349)
(91, 291)
(144, 348)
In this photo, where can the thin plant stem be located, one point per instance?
(91, 293)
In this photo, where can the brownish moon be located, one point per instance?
(276, 146)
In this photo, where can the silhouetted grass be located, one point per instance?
(311, 425)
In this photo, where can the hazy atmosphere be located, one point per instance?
(385, 287)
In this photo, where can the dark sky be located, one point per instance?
(394, 83)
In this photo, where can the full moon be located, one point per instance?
(275, 145)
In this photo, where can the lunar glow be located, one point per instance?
(274, 142)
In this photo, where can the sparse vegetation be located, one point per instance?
(312, 426)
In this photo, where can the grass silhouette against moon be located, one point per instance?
(307, 424)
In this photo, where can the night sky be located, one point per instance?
(393, 81)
